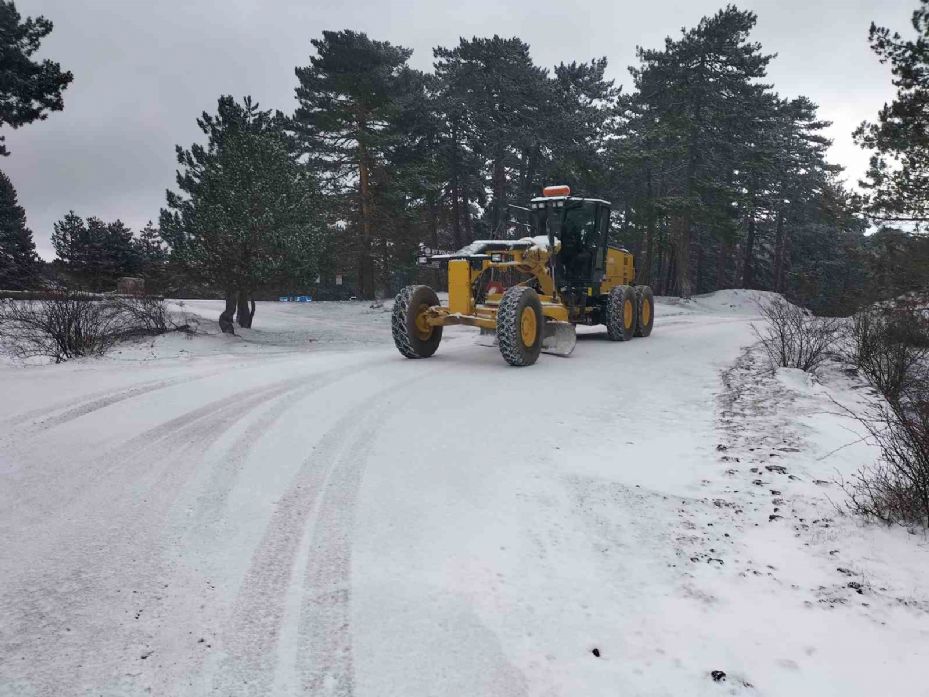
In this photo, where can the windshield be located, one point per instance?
(580, 223)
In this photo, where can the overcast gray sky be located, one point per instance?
(145, 69)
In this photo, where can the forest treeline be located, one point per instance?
(716, 180)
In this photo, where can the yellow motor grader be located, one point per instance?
(531, 292)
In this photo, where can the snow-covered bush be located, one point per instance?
(793, 337)
(69, 325)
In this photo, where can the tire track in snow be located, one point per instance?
(222, 479)
(68, 410)
(324, 659)
(259, 610)
(63, 412)
(204, 424)
(110, 533)
(325, 487)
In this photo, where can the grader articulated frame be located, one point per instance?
(531, 292)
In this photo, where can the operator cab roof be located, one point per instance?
(562, 199)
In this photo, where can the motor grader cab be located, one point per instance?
(531, 292)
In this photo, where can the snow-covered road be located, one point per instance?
(303, 511)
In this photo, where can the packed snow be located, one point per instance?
(300, 510)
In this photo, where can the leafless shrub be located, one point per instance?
(69, 325)
(896, 489)
(61, 326)
(793, 337)
(144, 315)
(891, 348)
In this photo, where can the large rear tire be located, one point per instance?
(520, 326)
(621, 313)
(412, 336)
(645, 318)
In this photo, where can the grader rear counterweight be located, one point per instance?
(531, 292)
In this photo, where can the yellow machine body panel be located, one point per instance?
(619, 269)
(466, 306)
(460, 300)
(529, 292)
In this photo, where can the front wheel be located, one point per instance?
(414, 337)
(520, 326)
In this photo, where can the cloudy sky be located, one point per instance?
(145, 70)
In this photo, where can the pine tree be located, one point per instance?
(150, 246)
(246, 214)
(18, 260)
(696, 91)
(719, 182)
(94, 253)
(152, 255)
(347, 99)
(801, 181)
(572, 142)
(499, 99)
(28, 89)
(897, 181)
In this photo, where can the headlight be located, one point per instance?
(496, 258)
(422, 260)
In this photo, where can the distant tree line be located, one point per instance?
(716, 180)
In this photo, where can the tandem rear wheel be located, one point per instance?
(629, 311)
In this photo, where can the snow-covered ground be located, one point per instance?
(300, 510)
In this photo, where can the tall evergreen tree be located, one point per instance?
(28, 89)
(801, 181)
(245, 215)
(94, 253)
(699, 91)
(347, 98)
(151, 255)
(18, 260)
(573, 139)
(897, 180)
(498, 98)
(150, 246)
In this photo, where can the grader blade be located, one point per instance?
(559, 339)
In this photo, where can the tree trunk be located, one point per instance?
(456, 196)
(722, 264)
(468, 228)
(499, 188)
(779, 253)
(785, 260)
(669, 281)
(365, 265)
(660, 246)
(245, 309)
(698, 271)
(748, 275)
(645, 272)
(681, 259)
(681, 235)
(225, 319)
